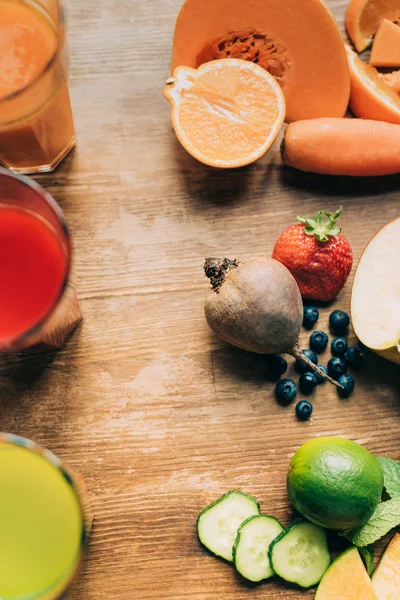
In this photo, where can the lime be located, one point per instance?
(335, 483)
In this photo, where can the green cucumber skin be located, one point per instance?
(282, 534)
(238, 540)
(278, 539)
(217, 501)
(244, 523)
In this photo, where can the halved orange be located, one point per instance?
(392, 80)
(364, 16)
(370, 96)
(226, 113)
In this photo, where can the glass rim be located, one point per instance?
(55, 207)
(57, 463)
(47, 67)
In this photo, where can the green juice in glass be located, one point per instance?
(41, 523)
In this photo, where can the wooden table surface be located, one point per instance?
(159, 415)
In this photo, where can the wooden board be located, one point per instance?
(158, 414)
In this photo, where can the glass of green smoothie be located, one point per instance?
(44, 522)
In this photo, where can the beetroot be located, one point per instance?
(256, 305)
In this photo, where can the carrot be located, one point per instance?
(357, 147)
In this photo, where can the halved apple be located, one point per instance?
(375, 301)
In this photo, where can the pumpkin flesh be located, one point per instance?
(297, 42)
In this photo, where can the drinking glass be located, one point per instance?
(38, 305)
(45, 520)
(36, 123)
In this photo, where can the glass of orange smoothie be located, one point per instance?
(36, 124)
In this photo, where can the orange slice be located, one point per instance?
(364, 16)
(370, 96)
(226, 113)
(392, 80)
(386, 578)
(386, 47)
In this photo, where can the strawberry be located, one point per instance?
(317, 255)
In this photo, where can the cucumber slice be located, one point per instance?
(250, 552)
(300, 554)
(217, 524)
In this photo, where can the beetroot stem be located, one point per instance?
(298, 354)
(216, 270)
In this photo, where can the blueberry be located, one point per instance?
(285, 391)
(302, 367)
(318, 341)
(352, 355)
(339, 346)
(303, 410)
(276, 366)
(348, 383)
(310, 316)
(336, 367)
(339, 321)
(307, 382)
(320, 379)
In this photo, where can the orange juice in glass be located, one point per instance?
(36, 124)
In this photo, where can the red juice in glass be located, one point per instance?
(33, 267)
(37, 305)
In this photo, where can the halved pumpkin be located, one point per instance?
(297, 42)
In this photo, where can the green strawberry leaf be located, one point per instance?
(391, 476)
(320, 227)
(334, 216)
(309, 222)
(367, 554)
(385, 517)
(310, 230)
(335, 231)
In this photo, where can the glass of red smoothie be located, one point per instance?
(37, 304)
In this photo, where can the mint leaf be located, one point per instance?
(367, 554)
(385, 517)
(391, 476)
